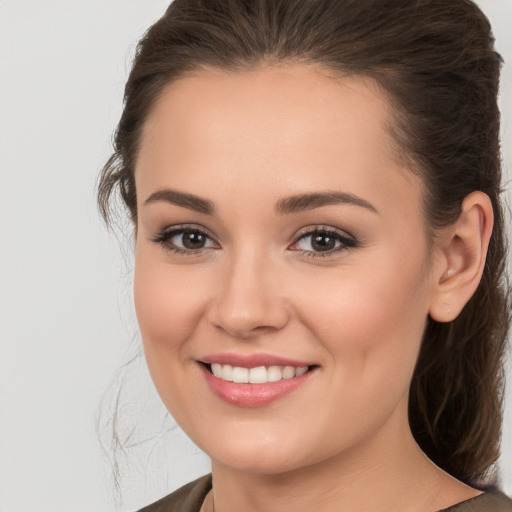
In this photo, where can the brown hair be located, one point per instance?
(436, 61)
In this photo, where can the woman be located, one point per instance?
(315, 191)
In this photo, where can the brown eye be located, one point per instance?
(185, 240)
(324, 241)
(192, 240)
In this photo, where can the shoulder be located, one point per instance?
(490, 501)
(188, 498)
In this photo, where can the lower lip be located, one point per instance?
(252, 395)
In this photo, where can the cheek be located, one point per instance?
(169, 305)
(168, 302)
(371, 317)
(372, 328)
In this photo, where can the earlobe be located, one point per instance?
(460, 257)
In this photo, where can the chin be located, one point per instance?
(257, 456)
(266, 464)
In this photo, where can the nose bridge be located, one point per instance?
(249, 300)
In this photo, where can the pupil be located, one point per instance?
(323, 242)
(193, 240)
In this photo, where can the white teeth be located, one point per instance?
(227, 372)
(217, 370)
(288, 372)
(257, 375)
(274, 373)
(240, 375)
(301, 371)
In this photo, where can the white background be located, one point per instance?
(66, 322)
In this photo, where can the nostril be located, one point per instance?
(244, 312)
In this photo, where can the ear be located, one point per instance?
(460, 255)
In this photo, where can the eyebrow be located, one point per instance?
(303, 202)
(189, 201)
(287, 205)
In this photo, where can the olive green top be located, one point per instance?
(189, 498)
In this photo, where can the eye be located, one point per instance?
(185, 240)
(323, 242)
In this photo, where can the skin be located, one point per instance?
(244, 141)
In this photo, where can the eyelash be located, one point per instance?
(345, 240)
(164, 240)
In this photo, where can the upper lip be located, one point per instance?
(252, 360)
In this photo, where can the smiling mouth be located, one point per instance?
(255, 381)
(255, 375)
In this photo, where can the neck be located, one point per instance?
(387, 473)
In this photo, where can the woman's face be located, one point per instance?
(277, 229)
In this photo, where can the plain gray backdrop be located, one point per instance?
(66, 320)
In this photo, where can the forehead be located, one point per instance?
(294, 102)
(288, 128)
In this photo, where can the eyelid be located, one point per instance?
(163, 237)
(185, 227)
(347, 241)
(325, 229)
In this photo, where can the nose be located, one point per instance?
(250, 300)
